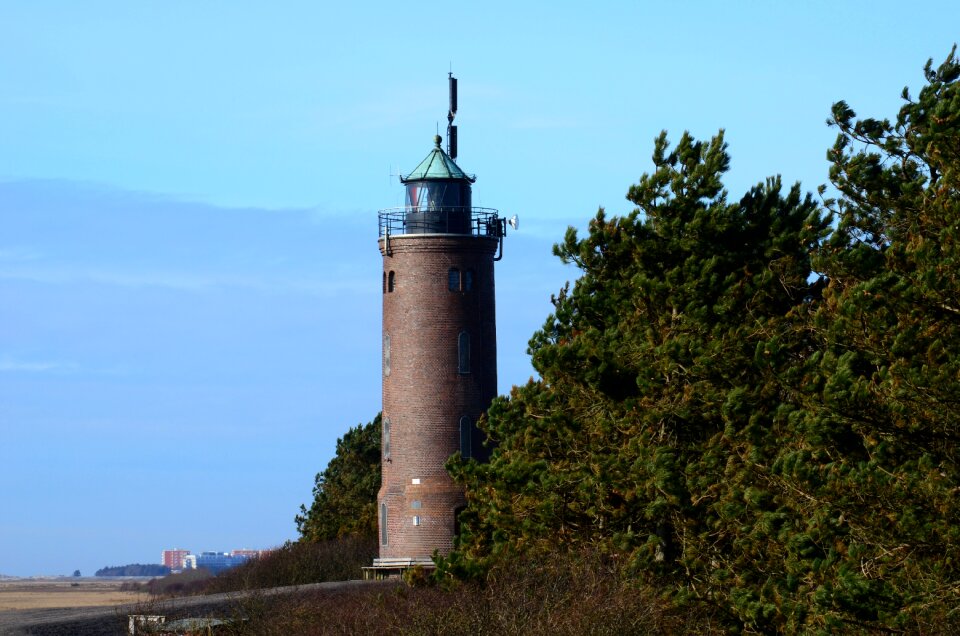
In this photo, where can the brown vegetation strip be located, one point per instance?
(40, 594)
(110, 620)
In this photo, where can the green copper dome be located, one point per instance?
(437, 165)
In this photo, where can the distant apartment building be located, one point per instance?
(217, 562)
(250, 554)
(174, 559)
(213, 561)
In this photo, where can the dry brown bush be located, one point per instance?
(561, 595)
(299, 563)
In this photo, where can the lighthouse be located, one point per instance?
(439, 351)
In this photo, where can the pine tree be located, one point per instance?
(650, 430)
(345, 493)
(721, 422)
(876, 453)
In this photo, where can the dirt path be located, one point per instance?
(97, 621)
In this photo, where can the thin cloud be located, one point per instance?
(10, 364)
(186, 281)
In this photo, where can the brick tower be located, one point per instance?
(439, 351)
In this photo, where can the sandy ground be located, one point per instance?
(21, 594)
(112, 619)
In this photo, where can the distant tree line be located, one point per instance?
(134, 569)
(750, 403)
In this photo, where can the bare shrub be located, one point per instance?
(186, 583)
(295, 563)
(299, 563)
(557, 594)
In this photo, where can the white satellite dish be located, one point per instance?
(514, 222)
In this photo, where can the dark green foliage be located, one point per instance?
(650, 432)
(345, 493)
(881, 437)
(730, 427)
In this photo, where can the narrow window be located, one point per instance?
(383, 524)
(416, 520)
(384, 282)
(463, 349)
(386, 354)
(386, 438)
(453, 279)
(468, 280)
(465, 437)
(390, 282)
(415, 504)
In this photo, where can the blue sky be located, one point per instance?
(189, 276)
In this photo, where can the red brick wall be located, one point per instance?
(173, 559)
(425, 395)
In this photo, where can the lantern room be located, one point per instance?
(438, 196)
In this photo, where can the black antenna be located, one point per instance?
(451, 113)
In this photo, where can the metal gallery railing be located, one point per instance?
(440, 220)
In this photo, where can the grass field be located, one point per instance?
(20, 594)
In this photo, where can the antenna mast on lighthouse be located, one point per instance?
(451, 113)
